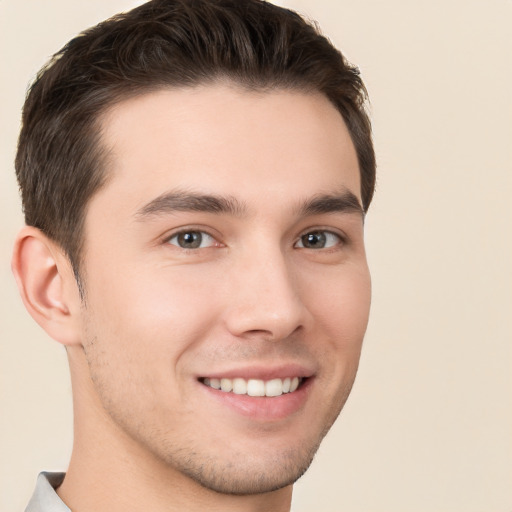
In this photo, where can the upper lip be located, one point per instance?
(263, 372)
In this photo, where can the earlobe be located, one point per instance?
(47, 285)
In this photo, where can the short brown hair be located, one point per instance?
(166, 43)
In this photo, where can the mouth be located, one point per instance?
(255, 387)
(267, 394)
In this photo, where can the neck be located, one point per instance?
(111, 471)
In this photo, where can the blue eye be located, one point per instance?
(192, 240)
(318, 240)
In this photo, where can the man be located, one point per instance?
(195, 176)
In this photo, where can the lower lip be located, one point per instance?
(263, 408)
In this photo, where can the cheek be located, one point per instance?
(342, 305)
(156, 313)
(342, 313)
(137, 333)
(339, 302)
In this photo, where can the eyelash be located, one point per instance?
(202, 234)
(325, 233)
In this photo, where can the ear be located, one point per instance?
(47, 285)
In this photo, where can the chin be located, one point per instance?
(250, 475)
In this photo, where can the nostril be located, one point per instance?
(280, 333)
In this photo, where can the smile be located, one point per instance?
(255, 387)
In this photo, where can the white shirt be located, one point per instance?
(45, 499)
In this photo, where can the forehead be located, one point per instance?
(222, 139)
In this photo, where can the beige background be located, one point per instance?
(429, 425)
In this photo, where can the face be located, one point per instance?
(226, 250)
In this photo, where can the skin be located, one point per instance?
(157, 317)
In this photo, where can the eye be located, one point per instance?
(318, 240)
(192, 240)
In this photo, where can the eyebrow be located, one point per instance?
(181, 201)
(344, 202)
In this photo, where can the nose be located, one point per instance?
(265, 299)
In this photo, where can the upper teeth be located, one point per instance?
(255, 387)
